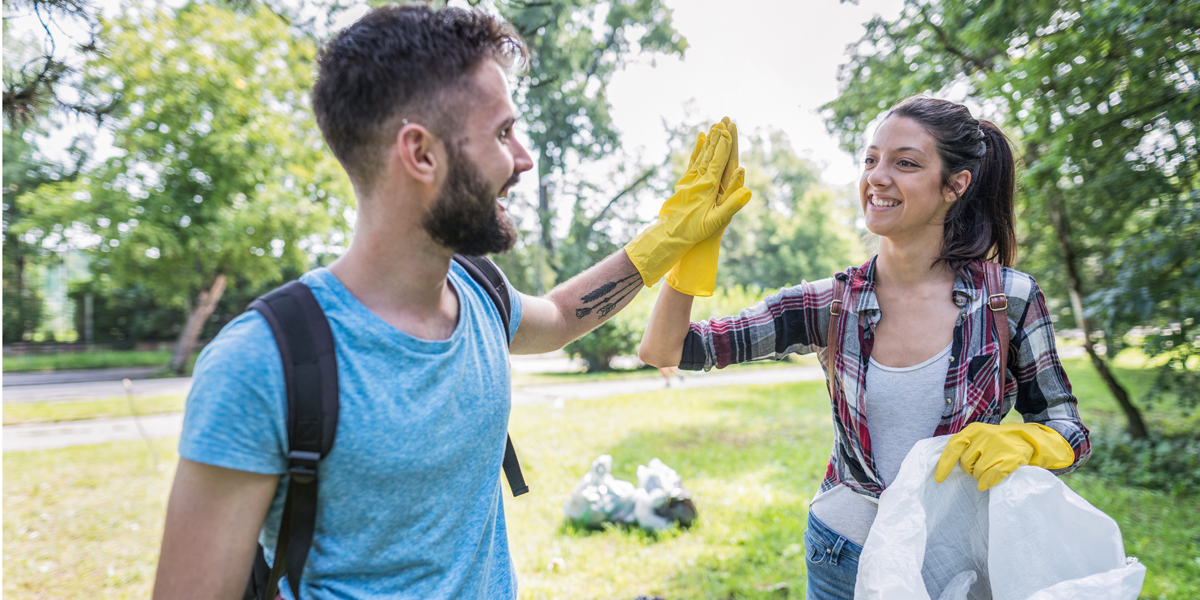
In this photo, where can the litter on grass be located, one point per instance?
(658, 501)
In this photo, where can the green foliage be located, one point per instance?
(122, 316)
(223, 171)
(1169, 462)
(27, 226)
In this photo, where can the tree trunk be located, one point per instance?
(205, 306)
(545, 223)
(1062, 230)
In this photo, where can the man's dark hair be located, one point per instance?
(402, 62)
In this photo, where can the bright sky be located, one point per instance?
(764, 63)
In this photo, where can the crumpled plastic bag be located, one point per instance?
(659, 501)
(1028, 538)
(600, 497)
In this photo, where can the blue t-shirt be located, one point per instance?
(410, 495)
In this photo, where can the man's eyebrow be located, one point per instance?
(506, 123)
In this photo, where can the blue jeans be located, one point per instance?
(832, 562)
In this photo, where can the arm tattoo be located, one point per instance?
(606, 304)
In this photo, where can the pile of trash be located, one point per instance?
(658, 501)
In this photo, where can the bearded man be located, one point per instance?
(414, 103)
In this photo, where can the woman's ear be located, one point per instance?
(958, 184)
(414, 152)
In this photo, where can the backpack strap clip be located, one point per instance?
(302, 466)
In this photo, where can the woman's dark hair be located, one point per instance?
(402, 62)
(980, 224)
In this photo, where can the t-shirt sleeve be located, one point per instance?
(236, 411)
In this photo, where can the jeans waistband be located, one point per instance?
(841, 545)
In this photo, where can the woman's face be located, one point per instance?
(901, 187)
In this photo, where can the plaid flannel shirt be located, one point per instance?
(795, 320)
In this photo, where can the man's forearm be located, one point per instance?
(578, 305)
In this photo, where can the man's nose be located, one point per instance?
(521, 160)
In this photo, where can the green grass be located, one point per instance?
(27, 363)
(18, 413)
(86, 522)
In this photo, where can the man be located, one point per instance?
(414, 103)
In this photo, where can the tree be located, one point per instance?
(224, 178)
(1100, 98)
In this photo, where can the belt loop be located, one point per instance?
(837, 550)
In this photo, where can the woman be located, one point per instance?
(918, 335)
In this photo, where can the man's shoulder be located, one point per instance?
(244, 343)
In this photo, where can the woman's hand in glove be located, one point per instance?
(989, 453)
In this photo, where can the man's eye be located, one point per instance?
(868, 161)
(504, 133)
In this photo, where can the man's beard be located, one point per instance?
(464, 216)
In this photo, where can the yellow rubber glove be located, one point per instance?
(989, 453)
(696, 273)
(689, 216)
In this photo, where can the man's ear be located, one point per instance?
(958, 184)
(414, 151)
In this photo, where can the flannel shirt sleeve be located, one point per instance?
(794, 320)
(1043, 393)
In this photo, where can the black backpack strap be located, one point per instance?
(487, 274)
(306, 348)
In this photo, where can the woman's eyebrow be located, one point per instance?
(901, 149)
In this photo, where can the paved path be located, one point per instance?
(96, 390)
(22, 379)
(74, 433)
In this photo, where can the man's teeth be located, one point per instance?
(883, 203)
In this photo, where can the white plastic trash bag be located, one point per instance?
(600, 497)
(659, 501)
(1028, 538)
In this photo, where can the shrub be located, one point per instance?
(1167, 461)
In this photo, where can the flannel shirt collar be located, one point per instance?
(862, 288)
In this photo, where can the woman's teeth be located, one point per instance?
(883, 203)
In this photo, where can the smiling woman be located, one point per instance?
(934, 336)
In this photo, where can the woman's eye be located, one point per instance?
(907, 163)
(869, 160)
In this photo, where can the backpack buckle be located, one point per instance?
(835, 308)
(998, 302)
(302, 466)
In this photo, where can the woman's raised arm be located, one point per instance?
(662, 343)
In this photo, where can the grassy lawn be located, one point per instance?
(86, 522)
(86, 360)
(17, 413)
